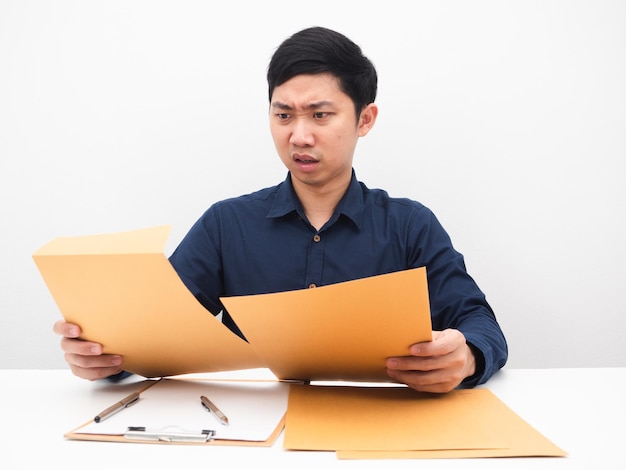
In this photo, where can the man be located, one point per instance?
(321, 226)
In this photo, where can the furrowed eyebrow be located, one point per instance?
(319, 104)
(281, 106)
(312, 106)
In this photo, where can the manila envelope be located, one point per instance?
(343, 331)
(386, 418)
(124, 293)
(397, 422)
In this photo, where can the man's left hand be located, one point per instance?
(437, 366)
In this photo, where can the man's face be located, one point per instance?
(315, 131)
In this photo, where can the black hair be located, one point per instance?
(321, 50)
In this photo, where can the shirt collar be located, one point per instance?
(351, 204)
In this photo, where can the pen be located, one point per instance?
(209, 405)
(120, 405)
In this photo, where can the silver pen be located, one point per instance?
(209, 405)
(120, 405)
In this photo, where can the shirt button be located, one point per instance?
(316, 238)
(311, 286)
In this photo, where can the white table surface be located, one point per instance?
(583, 411)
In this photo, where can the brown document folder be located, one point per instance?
(398, 422)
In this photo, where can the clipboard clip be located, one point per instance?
(168, 434)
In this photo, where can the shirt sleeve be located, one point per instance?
(198, 262)
(455, 298)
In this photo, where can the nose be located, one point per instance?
(301, 134)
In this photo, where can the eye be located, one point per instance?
(282, 116)
(320, 115)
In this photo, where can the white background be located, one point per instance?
(507, 119)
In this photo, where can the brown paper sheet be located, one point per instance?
(124, 293)
(343, 331)
(397, 422)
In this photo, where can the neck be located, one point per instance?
(319, 203)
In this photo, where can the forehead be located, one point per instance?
(302, 91)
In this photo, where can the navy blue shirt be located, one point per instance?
(262, 242)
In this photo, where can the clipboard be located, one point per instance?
(169, 411)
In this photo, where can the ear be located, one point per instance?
(367, 119)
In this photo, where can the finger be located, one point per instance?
(94, 373)
(443, 342)
(431, 381)
(104, 361)
(80, 347)
(409, 363)
(443, 387)
(427, 348)
(68, 330)
(94, 367)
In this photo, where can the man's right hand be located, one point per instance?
(85, 358)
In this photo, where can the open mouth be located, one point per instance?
(305, 162)
(305, 159)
